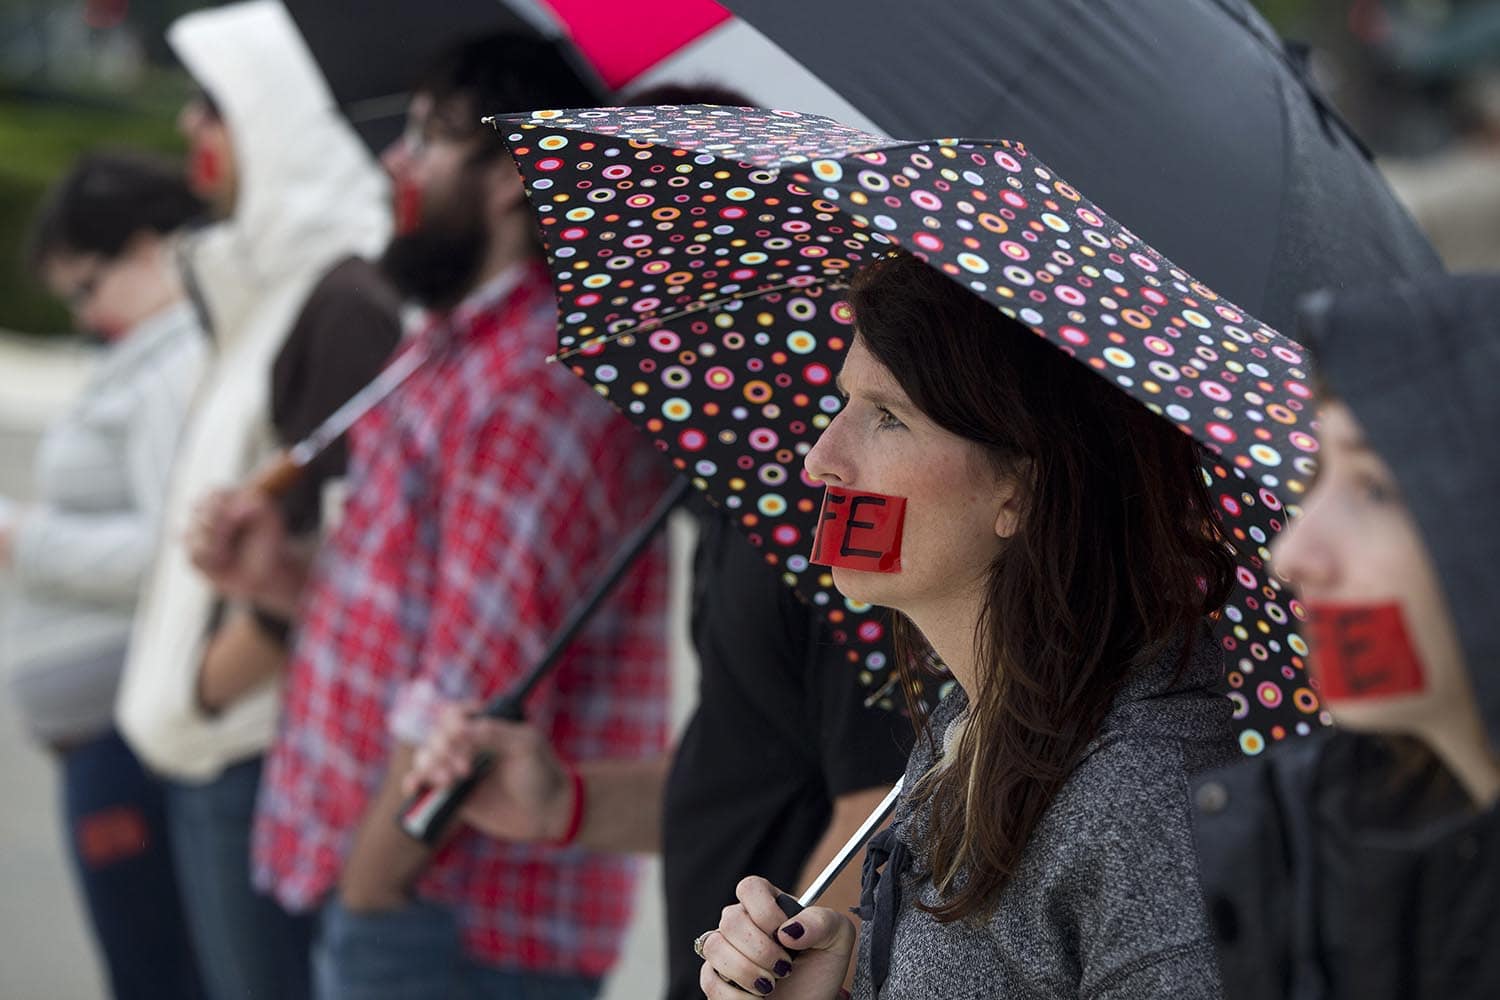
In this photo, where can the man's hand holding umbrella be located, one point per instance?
(238, 540)
(531, 795)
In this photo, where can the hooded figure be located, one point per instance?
(1363, 865)
(308, 197)
(299, 320)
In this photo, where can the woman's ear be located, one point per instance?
(143, 243)
(1012, 501)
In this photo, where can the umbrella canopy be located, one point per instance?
(699, 255)
(625, 40)
(1187, 117)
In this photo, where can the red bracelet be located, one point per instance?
(575, 821)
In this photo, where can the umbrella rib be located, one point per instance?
(697, 307)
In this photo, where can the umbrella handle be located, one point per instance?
(278, 475)
(427, 814)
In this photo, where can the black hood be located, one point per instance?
(1418, 363)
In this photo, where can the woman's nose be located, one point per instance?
(828, 460)
(396, 158)
(190, 118)
(1303, 555)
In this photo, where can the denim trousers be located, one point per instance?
(415, 953)
(119, 846)
(247, 945)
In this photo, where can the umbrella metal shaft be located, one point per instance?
(791, 907)
(286, 468)
(425, 815)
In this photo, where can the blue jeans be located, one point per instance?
(415, 953)
(117, 832)
(247, 945)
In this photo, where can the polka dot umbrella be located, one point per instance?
(699, 256)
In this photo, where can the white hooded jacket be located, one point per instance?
(308, 196)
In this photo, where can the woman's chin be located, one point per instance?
(880, 589)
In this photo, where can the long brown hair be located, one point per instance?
(1117, 557)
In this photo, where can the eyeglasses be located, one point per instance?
(80, 294)
(428, 127)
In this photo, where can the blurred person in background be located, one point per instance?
(1367, 864)
(299, 319)
(103, 244)
(484, 496)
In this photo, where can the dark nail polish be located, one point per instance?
(763, 986)
(793, 930)
(782, 968)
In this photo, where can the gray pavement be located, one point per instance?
(1456, 199)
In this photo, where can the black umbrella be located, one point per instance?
(1189, 118)
(371, 54)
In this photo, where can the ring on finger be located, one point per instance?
(699, 941)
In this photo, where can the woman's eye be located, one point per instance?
(1378, 490)
(888, 420)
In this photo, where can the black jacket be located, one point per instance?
(1330, 874)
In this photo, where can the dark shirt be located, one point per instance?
(781, 731)
(341, 339)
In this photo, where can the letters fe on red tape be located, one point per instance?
(859, 531)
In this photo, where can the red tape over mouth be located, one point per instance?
(1363, 651)
(859, 531)
(205, 168)
(406, 205)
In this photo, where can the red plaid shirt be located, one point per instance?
(484, 496)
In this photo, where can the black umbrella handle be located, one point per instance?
(789, 904)
(426, 814)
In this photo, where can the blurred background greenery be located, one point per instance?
(74, 76)
(1416, 77)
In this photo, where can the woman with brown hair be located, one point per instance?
(1060, 553)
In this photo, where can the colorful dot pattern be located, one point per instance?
(699, 253)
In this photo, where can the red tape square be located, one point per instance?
(859, 531)
(1362, 651)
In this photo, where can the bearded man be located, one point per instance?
(483, 497)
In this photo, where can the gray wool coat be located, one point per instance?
(1106, 904)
